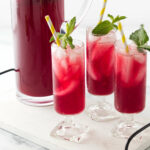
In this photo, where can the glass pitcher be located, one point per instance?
(32, 48)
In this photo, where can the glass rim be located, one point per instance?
(77, 42)
(89, 29)
(127, 54)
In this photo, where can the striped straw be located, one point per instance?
(103, 11)
(123, 37)
(51, 26)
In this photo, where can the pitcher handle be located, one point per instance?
(82, 13)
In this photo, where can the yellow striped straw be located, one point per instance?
(103, 11)
(123, 37)
(51, 26)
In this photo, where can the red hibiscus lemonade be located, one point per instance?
(130, 87)
(68, 79)
(31, 38)
(100, 63)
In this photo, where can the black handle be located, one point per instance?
(134, 134)
(6, 71)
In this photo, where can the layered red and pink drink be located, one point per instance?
(100, 63)
(68, 79)
(130, 81)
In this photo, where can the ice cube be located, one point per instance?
(59, 67)
(98, 50)
(127, 68)
(61, 53)
(132, 48)
(141, 74)
(91, 37)
(66, 89)
(140, 58)
(73, 57)
(57, 70)
(95, 53)
(64, 64)
(111, 62)
(79, 51)
(108, 38)
(92, 72)
(119, 63)
(120, 47)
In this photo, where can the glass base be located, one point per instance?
(103, 111)
(70, 131)
(126, 129)
(35, 101)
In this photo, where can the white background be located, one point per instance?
(137, 11)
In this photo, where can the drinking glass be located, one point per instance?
(130, 87)
(68, 67)
(100, 73)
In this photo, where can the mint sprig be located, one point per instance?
(103, 28)
(140, 38)
(116, 19)
(66, 39)
(60, 35)
(106, 26)
(147, 47)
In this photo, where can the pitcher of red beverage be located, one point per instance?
(32, 48)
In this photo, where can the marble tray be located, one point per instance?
(36, 123)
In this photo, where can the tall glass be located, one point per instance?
(130, 87)
(68, 67)
(32, 47)
(100, 72)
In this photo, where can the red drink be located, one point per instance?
(130, 87)
(100, 63)
(68, 79)
(31, 36)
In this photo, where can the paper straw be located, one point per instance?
(51, 26)
(103, 11)
(123, 37)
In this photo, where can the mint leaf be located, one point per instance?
(111, 17)
(122, 18)
(70, 26)
(106, 26)
(70, 40)
(115, 26)
(67, 28)
(118, 18)
(51, 39)
(140, 36)
(66, 39)
(103, 28)
(64, 43)
(146, 47)
(115, 20)
(141, 50)
(59, 36)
